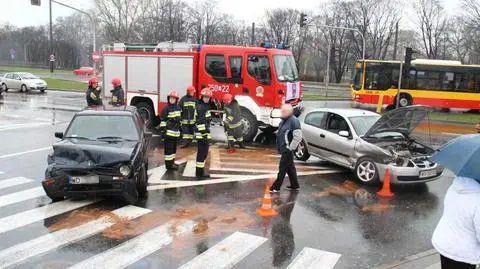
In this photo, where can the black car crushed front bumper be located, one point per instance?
(57, 185)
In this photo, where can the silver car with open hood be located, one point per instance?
(368, 143)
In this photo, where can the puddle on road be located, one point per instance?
(82, 216)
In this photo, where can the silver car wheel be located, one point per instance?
(300, 150)
(366, 171)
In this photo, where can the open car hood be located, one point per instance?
(402, 120)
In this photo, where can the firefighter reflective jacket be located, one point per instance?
(171, 118)
(118, 96)
(233, 115)
(188, 105)
(93, 97)
(204, 117)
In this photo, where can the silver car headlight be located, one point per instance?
(125, 170)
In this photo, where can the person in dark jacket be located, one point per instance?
(233, 121)
(93, 93)
(202, 132)
(118, 95)
(188, 104)
(171, 118)
(289, 136)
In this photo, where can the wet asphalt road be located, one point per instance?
(330, 213)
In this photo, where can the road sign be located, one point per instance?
(52, 58)
(96, 56)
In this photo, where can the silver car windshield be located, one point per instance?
(28, 76)
(362, 124)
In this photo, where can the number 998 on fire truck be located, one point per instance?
(261, 78)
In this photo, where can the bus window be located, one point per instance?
(379, 76)
(215, 65)
(448, 82)
(236, 66)
(357, 80)
(259, 68)
(428, 80)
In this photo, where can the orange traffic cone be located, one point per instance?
(385, 192)
(266, 210)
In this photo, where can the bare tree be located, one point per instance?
(432, 23)
(471, 29)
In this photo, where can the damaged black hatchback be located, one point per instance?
(102, 153)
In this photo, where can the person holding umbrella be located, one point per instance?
(457, 235)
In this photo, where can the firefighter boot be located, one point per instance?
(170, 165)
(200, 174)
(186, 144)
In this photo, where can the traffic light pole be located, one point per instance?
(81, 11)
(52, 64)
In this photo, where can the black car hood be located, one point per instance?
(402, 120)
(88, 154)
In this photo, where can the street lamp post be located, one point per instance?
(81, 11)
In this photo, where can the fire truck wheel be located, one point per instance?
(250, 125)
(147, 113)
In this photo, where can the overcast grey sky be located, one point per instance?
(21, 13)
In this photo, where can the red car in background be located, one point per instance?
(84, 71)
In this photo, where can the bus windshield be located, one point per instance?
(285, 68)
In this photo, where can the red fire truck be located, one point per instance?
(261, 78)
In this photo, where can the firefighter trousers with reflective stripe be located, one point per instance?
(170, 146)
(202, 153)
(188, 130)
(235, 134)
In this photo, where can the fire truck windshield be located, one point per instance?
(285, 68)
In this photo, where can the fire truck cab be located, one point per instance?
(261, 78)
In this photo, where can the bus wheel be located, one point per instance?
(250, 125)
(405, 100)
(148, 114)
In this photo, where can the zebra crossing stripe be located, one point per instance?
(310, 258)
(37, 214)
(227, 253)
(40, 245)
(11, 182)
(155, 174)
(189, 169)
(135, 249)
(21, 196)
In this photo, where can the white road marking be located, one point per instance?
(190, 169)
(232, 178)
(24, 152)
(310, 258)
(155, 174)
(21, 196)
(135, 249)
(40, 245)
(227, 253)
(37, 214)
(11, 182)
(249, 164)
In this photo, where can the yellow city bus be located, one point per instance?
(436, 83)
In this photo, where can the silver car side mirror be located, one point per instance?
(344, 134)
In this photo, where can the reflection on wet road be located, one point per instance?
(190, 223)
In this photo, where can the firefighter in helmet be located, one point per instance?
(93, 93)
(233, 122)
(118, 95)
(171, 118)
(188, 104)
(202, 131)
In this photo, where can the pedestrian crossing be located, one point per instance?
(233, 248)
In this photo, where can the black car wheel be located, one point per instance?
(55, 197)
(148, 114)
(142, 182)
(24, 88)
(301, 153)
(4, 87)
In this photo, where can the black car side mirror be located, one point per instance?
(59, 135)
(148, 134)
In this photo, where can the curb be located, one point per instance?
(408, 259)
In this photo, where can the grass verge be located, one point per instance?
(67, 85)
(471, 118)
(32, 70)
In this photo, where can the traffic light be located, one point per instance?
(303, 19)
(408, 59)
(36, 2)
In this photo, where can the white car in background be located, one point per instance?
(23, 82)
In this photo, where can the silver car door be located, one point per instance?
(311, 130)
(9, 81)
(338, 148)
(16, 81)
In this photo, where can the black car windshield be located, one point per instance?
(285, 68)
(362, 124)
(96, 127)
